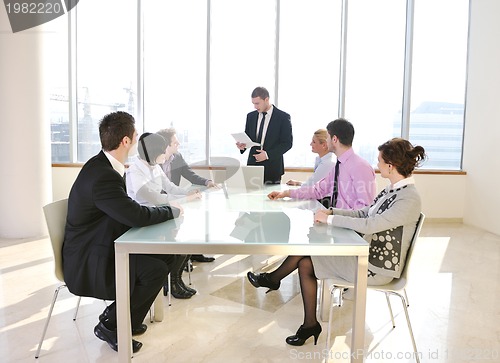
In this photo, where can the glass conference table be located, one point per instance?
(241, 222)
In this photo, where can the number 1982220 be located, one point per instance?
(34, 8)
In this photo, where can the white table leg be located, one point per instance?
(359, 311)
(123, 327)
(158, 307)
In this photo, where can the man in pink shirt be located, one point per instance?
(350, 185)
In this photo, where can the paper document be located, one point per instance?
(244, 139)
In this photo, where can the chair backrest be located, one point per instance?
(247, 178)
(55, 216)
(254, 176)
(412, 245)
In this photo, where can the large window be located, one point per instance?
(438, 80)
(392, 67)
(242, 57)
(375, 51)
(106, 76)
(174, 38)
(308, 87)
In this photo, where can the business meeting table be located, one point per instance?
(241, 222)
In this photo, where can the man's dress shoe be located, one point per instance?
(201, 258)
(110, 337)
(141, 329)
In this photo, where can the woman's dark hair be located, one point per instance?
(402, 155)
(150, 146)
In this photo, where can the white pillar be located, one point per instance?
(25, 156)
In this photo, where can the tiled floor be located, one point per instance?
(454, 297)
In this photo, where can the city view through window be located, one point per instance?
(200, 83)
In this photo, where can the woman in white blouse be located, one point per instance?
(324, 161)
(148, 185)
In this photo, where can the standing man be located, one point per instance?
(350, 185)
(99, 211)
(272, 129)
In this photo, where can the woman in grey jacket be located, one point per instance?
(387, 224)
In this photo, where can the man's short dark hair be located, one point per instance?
(343, 129)
(114, 127)
(260, 92)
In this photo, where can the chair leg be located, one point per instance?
(54, 299)
(169, 290)
(190, 268)
(390, 309)
(406, 297)
(417, 358)
(77, 307)
(324, 301)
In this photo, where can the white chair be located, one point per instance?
(247, 178)
(55, 216)
(392, 288)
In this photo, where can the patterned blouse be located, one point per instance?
(388, 224)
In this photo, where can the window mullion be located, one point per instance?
(406, 107)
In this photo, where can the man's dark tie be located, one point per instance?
(335, 185)
(261, 128)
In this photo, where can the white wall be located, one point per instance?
(24, 142)
(482, 130)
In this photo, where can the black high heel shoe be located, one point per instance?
(262, 280)
(303, 334)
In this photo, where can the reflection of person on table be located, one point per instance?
(262, 227)
(148, 185)
(324, 161)
(274, 136)
(100, 211)
(176, 167)
(350, 185)
(387, 224)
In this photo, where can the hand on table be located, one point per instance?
(321, 216)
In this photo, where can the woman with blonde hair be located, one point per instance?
(324, 161)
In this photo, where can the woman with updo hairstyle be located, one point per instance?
(148, 185)
(388, 225)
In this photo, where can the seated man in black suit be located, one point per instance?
(176, 167)
(100, 211)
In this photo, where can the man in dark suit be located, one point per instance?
(274, 134)
(175, 166)
(99, 211)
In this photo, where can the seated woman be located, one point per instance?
(148, 185)
(176, 167)
(324, 161)
(387, 224)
